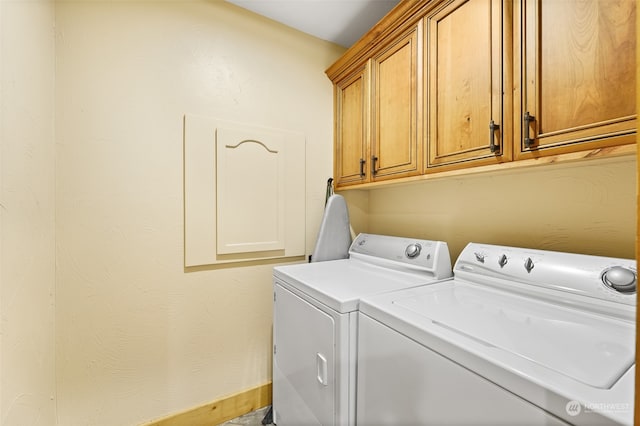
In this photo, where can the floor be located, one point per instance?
(253, 418)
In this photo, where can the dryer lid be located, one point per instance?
(590, 348)
(340, 284)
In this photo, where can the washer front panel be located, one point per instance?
(403, 383)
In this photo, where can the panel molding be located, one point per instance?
(250, 190)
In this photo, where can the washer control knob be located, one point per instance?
(620, 279)
(502, 260)
(413, 250)
(528, 264)
(479, 257)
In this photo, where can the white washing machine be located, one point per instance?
(518, 336)
(315, 322)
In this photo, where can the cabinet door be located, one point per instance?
(395, 138)
(351, 98)
(465, 84)
(578, 76)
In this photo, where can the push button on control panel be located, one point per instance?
(528, 264)
(620, 279)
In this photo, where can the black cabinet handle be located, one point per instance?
(528, 118)
(374, 159)
(362, 163)
(493, 147)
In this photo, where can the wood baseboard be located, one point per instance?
(221, 410)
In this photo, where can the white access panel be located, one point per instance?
(267, 166)
(401, 382)
(304, 361)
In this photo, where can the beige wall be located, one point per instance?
(584, 207)
(27, 251)
(138, 337)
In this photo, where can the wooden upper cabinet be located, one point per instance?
(377, 111)
(578, 76)
(441, 85)
(351, 144)
(396, 143)
(464, 74)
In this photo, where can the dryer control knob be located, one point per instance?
(413, 250)
(620, 279)
(503, 260)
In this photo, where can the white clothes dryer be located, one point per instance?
(518, 337)
(315, 322)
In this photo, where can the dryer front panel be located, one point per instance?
(304, 362)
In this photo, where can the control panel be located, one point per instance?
(416, 254)
(605, 278)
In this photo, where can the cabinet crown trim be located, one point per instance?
(405, 12)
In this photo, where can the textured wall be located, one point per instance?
(27, 251)
(138, 337)
(586, 207)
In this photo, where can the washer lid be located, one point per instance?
(593, 349)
